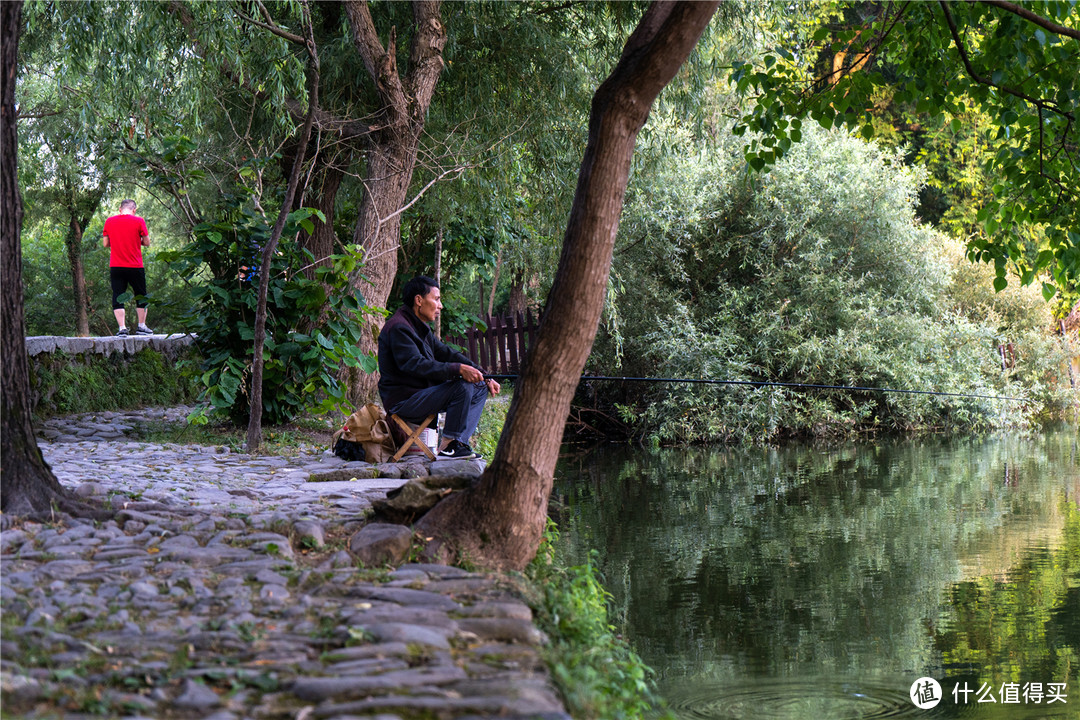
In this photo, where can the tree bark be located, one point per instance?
(73, 241)
(500, 522)
(517, 302)
(81, 208)
(27, 484)
(322, 195)
(391, 153)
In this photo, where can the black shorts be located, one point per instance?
(121, 278)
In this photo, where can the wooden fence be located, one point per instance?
(500, 349)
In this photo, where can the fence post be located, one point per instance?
(532, 327)
(513, 337)
(499, 333)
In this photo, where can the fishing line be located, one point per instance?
(756, 383)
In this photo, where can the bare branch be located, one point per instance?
(1037, 19)
(183, 200)
(456, 172)
(254, 431)
(37, 116)
(270, 26)
(1037, 102)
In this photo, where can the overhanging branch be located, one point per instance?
(1037, 19)
(983, 80)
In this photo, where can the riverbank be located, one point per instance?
(226, 587)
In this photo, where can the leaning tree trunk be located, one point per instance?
(73, 240)
(27, 485)
(499, 523)
(391, 153)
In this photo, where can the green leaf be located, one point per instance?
(1048, 291)
(1000, 283)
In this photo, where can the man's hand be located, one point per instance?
(146, 241)
(471, 374)
(493, 387)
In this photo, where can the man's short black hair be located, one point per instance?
(419, 285)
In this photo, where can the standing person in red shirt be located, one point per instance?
(125, 235)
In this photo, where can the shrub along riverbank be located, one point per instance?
(817, 272)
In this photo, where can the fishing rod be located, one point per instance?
(762, 383)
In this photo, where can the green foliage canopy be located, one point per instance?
(1018, 65)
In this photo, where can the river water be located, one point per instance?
(825, 581)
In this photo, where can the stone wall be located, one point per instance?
(72, 375)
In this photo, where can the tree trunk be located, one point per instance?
(380, 237)
(27, 485)
(254, 429)
(499, 523)
(73, 241)
(517, 302)
(495, 284)
(322, 195)
(391, 154)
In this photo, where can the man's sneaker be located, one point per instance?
(457, 450)
(122, 333)
(143, 330)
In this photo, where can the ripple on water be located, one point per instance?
(790, 700)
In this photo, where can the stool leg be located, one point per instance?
(413, 437)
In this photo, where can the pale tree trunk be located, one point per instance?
(391, 154)
(379, 236)
(27, 485)
(499, 522)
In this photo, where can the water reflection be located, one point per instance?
(821, 582)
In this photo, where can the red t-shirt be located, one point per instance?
(125, 233)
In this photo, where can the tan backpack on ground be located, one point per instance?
(368, 426)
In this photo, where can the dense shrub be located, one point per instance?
(817, 272)
(310, 326)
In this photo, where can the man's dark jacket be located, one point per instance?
(411, 358)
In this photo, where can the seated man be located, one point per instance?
(421, 376)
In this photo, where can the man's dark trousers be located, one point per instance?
(463, 403)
